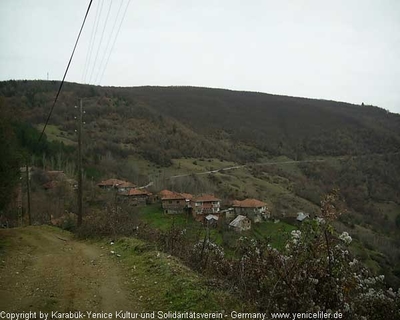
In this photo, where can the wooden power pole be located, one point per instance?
(28, 192)
(80, 191)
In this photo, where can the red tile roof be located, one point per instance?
(235, 203)
(165, 192)
(206, 198)
(187, 196)
(173, 196)
(249, 203)
(170, 195)
(176, 196)
(138, 192)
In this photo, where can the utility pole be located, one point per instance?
(208, 230)
(80, 191)
(28, 192)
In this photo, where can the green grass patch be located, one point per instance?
(143, 166)
(53, 133)
(161, 282)
(276, 233)
(216, 236)
(156, 218)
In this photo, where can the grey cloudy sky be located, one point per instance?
(346, 50)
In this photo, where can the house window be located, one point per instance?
(177, 201)
(169, 201)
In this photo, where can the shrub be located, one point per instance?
(111, 222)
(314, 272)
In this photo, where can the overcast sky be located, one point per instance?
(345, 50)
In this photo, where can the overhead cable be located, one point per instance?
(66, 71)
(91, 42)
(99, 71)
(94, 41)
(115, 39)
(101, 40)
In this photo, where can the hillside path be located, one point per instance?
(45, 269)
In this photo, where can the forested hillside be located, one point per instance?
(162, 123)
(276, 124)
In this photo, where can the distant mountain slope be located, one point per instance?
(277, 124)
(161, 123)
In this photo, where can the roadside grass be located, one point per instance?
(4, 244)
(155, 280)
(161, 282)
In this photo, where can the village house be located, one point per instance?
(240, 223)
(211, 220)
(301, 216)
(174, 202)
(254, 209)
(228, 213)
(137, 196)
(165, 192)
(188, 197)
(205, 205)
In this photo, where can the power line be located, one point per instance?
(109, 41)
(66, 71)
(80, 191)
(91, 42)
(115, 39)
(94, 39)
(101, 39)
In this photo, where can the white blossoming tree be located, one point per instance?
(315, 272)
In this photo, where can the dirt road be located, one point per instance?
(45, 269)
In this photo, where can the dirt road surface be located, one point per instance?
(45, 269)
